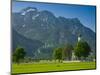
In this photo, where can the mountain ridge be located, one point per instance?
(51, 30)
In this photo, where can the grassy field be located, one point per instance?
(45, 67)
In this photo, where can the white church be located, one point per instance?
(73, 55)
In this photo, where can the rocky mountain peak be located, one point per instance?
(28, 9)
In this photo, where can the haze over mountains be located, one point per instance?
(41, 31)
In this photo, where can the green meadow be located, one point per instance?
(50, 67)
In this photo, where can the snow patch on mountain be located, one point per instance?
(28, 10)
(33, 17)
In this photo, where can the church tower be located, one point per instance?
(79, 37)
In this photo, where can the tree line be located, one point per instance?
(81, 50)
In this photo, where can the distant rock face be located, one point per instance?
(52, 31)
(29, 45)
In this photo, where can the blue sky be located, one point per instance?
(86, 14)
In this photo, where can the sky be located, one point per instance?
(86, 14)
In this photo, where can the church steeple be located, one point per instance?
(79, 37)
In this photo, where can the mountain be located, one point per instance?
(29, 45)
(52, 31)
